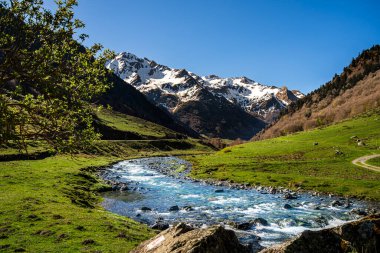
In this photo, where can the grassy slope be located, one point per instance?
(132, 124)
(374, 161)
(294, 161)
(51, 205)
(33, 193)
(38, 212)
(34, 147)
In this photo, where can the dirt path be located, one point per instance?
(361, 161)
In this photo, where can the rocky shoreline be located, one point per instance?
(182, 174)
(286, 193)
(358, 236)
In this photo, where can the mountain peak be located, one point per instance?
(173, 88)
(212, 77)
(245, 80)
(127, 55)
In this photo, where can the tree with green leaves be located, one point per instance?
(47, 76)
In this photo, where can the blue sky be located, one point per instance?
(300, 44)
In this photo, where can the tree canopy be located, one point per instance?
(47, 76)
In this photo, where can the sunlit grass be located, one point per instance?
(314, 160)
(374, 161)
(46, 207)
(134, 125)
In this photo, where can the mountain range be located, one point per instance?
(230, 108)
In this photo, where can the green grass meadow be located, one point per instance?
(317, 160)
(134, 125)
(374, 161)
(50, 205)
(53, 204)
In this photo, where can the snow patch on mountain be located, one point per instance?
(171, 87)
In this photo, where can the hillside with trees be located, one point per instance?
(356, 90)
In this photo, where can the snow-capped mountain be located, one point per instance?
(253, 97)
(173, 89)
(169, 87)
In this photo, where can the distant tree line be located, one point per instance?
(367, 62)
(353, 92)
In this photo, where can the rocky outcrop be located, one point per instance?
(359, 236)
(182, 238)
(287, 96)
(217, 117)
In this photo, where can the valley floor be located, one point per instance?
(53, 205)
(317, 160)
(50, 205)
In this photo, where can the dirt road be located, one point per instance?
(361, 161)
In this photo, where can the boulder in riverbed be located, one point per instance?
(289, 195)
(243, 225)
(336, 203)
(358, 236)
(183, 238)
(260, 221)
(188, 208)
(321, 221)
(173, 209)
(159, 225)
(358, 212)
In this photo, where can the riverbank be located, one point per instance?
(319, 160)
(183, 171)
(52, 203)
(253, 213)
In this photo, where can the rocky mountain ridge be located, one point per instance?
(176, 89)
(170, 87)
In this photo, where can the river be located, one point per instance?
(202, 204)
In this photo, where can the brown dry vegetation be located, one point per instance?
(363, 97)
(355, 91)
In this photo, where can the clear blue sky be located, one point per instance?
(300, 44)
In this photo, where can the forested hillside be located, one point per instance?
(354, 91)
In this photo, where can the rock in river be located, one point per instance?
(243, 226)
(188, 208)
(183, 238)
(358, 236)
(260, 221)
(160, 225)
(289, 196)
(174, 209)
(336, 203)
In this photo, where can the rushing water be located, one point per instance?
(149, 187)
